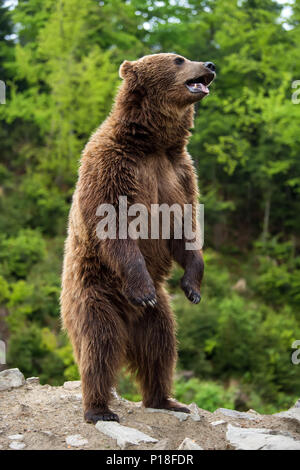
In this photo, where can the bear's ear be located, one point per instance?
(125, 69)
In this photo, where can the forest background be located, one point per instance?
(59, 60)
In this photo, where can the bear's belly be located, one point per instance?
(160, 185)
(158, 258)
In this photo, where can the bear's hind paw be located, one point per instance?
(171, 405)
(94, 415)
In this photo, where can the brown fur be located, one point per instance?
(140, 152)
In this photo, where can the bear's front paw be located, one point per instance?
(191, 292)
(141, 297)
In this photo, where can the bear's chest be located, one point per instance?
(160, 180)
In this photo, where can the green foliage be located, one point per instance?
(32, 350)
(239, 336)
(236, 336)
(18, 254)
(4, 291)
(278, 280)
(70, 368)
(60, 62)
(127, 387)
(207, 395)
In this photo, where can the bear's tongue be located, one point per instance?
(199, 87)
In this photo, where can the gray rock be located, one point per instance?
(46, 387)
(76, 440)
(115, 394)
(235, 414)
(62, 396)
(293, 413)
(178, 414)
(33, 380)
(189, 444)
(218, 423)
(72, 385)
(11, 378)
(253, 412)
(16, 437)
(195, 415)
(16, 445)
(69, 397)
(123, 434)
(259, 439)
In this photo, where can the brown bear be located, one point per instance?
(113, 301)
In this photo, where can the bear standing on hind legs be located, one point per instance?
(113, 302)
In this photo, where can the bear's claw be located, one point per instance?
(190, 293)
(194, 297)
(141, 297)
(94, 416)
(150, 301)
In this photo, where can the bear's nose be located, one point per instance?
(210, 65)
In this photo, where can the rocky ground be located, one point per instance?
(34, 416)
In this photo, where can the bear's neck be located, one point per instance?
(141, 122)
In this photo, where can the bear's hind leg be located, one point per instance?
(102, 349)
(152, 354)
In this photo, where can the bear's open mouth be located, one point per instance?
(200, 84)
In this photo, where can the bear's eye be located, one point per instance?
(179, 60)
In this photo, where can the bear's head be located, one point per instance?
(169, 78)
